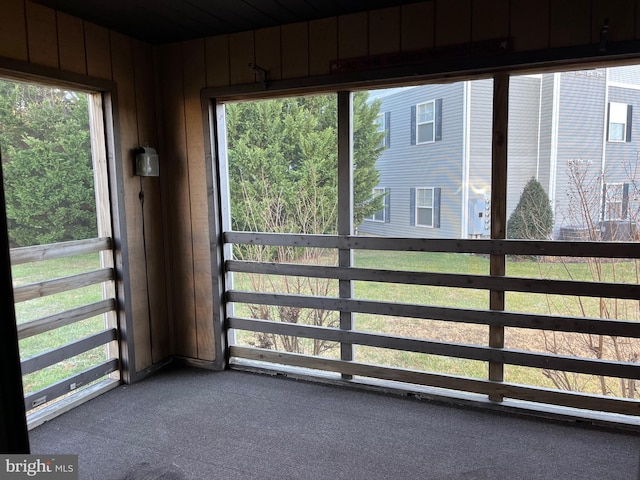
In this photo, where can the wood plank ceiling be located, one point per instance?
(164, 21)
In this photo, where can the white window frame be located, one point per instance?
(424, 207)
(376, 192)
(381, 125)
(613, 201)
(617, 116)
(426, 122)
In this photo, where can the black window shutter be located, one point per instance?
(629, 118)
(436, 208)
(625, 200)
(412, 206)
(413, 124)
(438, 114)
(387, 128)
(387, 205)
(608, 120)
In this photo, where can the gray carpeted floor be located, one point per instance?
(192, 424)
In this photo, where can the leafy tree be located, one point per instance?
(367, 148)
(283, 163)
(532, 217)
(46, 155)
(283, 173)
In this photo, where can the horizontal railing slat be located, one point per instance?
(38, 253)
(284, 240)
(497, 247)
(480, 317)
(485, 387)
(469, 352)
(44, 324)
(55, 355)
(484, 282)
(59, 285)
(628, 251)
(70, 383)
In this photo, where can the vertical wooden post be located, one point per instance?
(103, 208)
(14, 437)
(345, 208)
(219, 203)
(498, 212)
(127, 352)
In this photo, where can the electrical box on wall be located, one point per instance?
(479, 217)
(147, 162)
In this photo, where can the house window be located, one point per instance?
(616, 201)
(426, 122)
(619, 126)
(380, 123)
(382, 215)
(425, 207)
(383, 124)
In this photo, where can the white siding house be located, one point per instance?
(436, 171)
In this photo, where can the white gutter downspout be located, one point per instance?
(603, 160)
(553, 161)
(539, 128)
(466, 157)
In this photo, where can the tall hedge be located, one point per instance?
(533, 217)
(46, 158)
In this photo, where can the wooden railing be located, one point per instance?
(48, 323)
(496, 356)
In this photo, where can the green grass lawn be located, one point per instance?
(406, 327)
(42, 307)
(626, 272)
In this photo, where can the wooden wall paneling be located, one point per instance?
(165, 198)
(490, 19)
(417, 26)
(13, 34)
(384, 31)
(453, 22)
(621, 15)
(143, 67)
(529, 24)
(71, 44)
(569, 23)
(123, 75)
(241, 54)
(157, 291)
(217, 54)
(353, 35)
(194, 78)
(268, 51)
(98, 51)
(42, 35)
(154, 231)
(323, 45)
(295, 50)
(178, 200)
